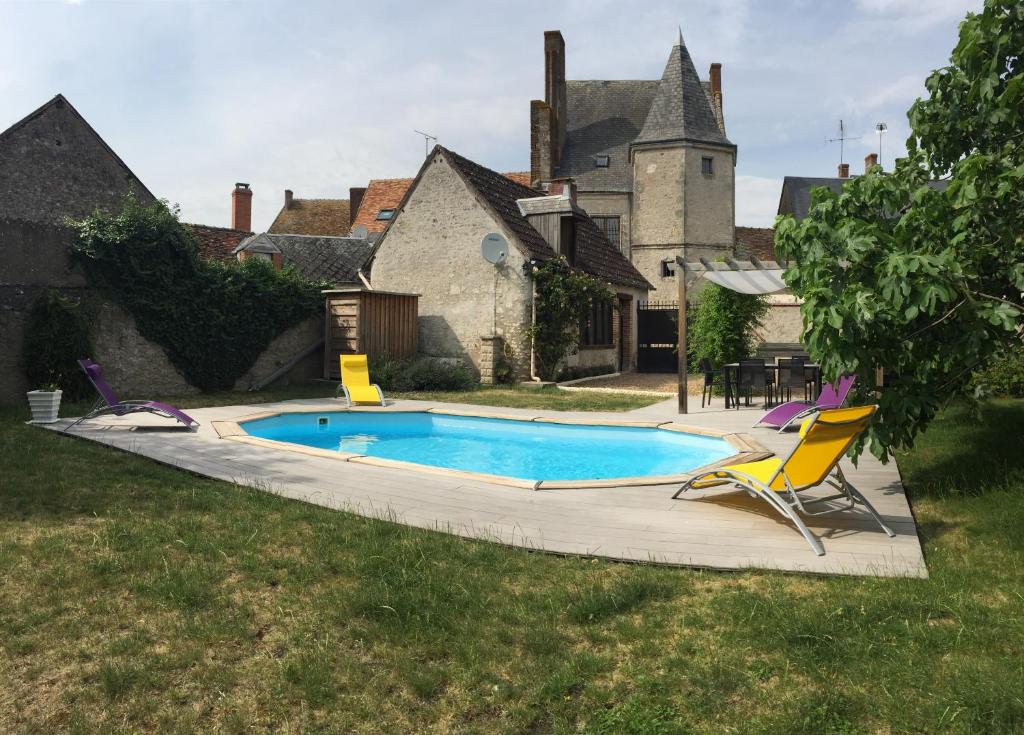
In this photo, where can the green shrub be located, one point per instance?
(722, 329)
(212, 319)
(1003, 376)
(57, 334)
(421, 374)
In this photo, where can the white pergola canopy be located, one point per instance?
(750, 276)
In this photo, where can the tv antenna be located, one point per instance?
(494, 249)
(427, 137)
(841, 138)
(880, 128)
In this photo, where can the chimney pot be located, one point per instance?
(241, 207)
(288, 198)
(870, 160)
(844, 170)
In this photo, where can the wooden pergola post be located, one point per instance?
(683, 387)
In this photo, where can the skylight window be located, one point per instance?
(385, 214)
(602, 161)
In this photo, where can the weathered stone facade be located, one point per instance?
(433, 249)
(53, 165)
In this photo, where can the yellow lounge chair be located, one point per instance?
(824, 439)
(355, 382)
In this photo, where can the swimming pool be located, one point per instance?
(524, 450)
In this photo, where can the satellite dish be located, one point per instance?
(360, 231)
(494, 248)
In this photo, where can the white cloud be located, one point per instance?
(757, 200)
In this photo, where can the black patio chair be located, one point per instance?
(752, 377)
(791, 375)
(709, 380)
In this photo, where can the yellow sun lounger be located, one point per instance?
(355, 382)
(824, 439)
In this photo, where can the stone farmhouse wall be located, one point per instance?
(433, 249)
(36, 258)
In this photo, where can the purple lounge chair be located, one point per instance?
(793, 412)
(108, 404)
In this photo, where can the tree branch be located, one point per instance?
(1015, 305)
(938, 321)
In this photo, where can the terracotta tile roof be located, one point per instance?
(388, 194)
(328, 217)
(380, 194)
(217, 243)
(756, 241)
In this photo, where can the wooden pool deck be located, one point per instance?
(719, 529)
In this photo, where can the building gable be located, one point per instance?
(54, 165)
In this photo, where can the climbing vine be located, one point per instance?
(212, 319)
(563, 300)
(57, 334)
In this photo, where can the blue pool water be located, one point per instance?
(521, 449)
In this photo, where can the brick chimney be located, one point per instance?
(355, 198)
(870, 160)
(715, 75)
(560, 187)
(288, 196)
(554, 89)
(241, 207)
(844, 170)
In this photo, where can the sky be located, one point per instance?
(318, 97)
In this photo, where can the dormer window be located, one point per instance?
(602, 161)
(385, 214)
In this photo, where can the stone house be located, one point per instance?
(53, 166)
(651, 158)
(471, 310)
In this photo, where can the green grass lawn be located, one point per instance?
(136, 598)
(506, 396)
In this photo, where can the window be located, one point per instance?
(668, 268)
(707, 165)
(385, 214)
(602, 161)
(610, 227)
(597, 330)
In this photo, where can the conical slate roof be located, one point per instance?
(680, 110)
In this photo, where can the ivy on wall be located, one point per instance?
(57, 333)
(212, 319)
(564, 297)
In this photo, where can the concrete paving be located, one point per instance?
(715, 528)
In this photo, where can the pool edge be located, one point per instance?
(748, 448)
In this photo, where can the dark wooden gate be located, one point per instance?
(657, 336)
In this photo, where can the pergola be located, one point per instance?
(751, 276)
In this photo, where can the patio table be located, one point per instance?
(730, 377)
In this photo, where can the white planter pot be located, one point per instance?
(45, 405)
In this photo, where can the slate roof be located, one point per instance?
(604, 117)
(328, 217)
(336, 260)
(795, 198)
(756, 241)
(217, 243)
(796, 193)
(680, 109)
(380, 194)
(594, 253)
